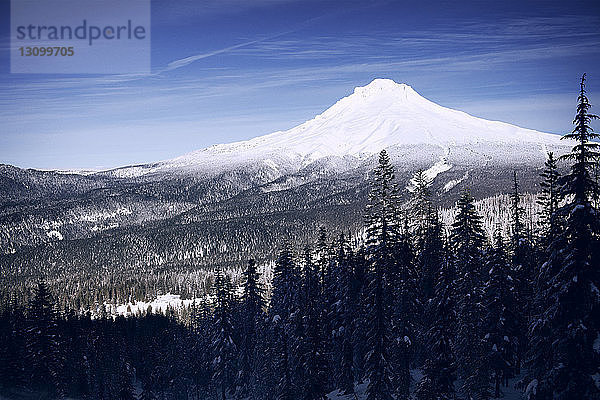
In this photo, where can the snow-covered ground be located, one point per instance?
(157, 306)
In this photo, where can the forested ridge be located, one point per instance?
(470, 312)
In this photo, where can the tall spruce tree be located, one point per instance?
(286, 321)
(404, 300)
(223, 345)
(501, 327)
(548, 199)
(344, 318)
(252, 307)
(523, 261)
(44, 358)
(439, 372)
(382, 239)
(311, 346)
(467, 243)
(570, 302)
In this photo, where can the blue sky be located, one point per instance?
(226, 70)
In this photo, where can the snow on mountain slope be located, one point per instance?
(377, 116)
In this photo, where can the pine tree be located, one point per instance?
(549, 199)
(382, 238)
(438, 369)
(311, 346)
(466, 242)
(223, 346)
(421, 206)
(286, 321)
(252, 307)
(344, 319)
(523, 261)
(43, 341)
(501, 326)
(570, 302)
(403, 296)
(429, 256)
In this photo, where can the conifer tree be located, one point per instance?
(466, 241)
(421, 206)
(43, 341)
(404, 299)
(223, 346)
(251, 309)
(344, 320)
(286, 320)
(438, 369)
(501, 328)
(549, 199)
(570, 303)
(382, 238)
(311, 346)
(523, 262)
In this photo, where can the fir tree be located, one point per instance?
(43, 341)
(252, 307)
(403, 296)
(438, 369)
(421, 206)
(311, 346)
(382, 237)
(549, 199)
(570, 302)
(223, 346)
(523, 262)
(286, 320)
(501, 326)
(467, 241)
(344, 320)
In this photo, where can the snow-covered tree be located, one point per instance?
(251, 309)
(382, 239)
(548, 199)
(500, 323)
(312, 344)
(439, 370)
(570, 301)
(467, 242)
(43, 341)
(223, 345)
(285, 322)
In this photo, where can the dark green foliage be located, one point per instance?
(439, 370)
(382, 240)
(500, 325)
(563, 359)
(467, 242)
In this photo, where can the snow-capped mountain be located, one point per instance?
(383, 114)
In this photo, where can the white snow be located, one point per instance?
(452, 183)
(55, 235)
(377, 116)
(159, 305)
(431, 173)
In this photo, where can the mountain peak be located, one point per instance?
(386, 87)
(379, 115)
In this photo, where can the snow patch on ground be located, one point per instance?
(432, 172)
(452, 183)
(99, 216)
(55, 235)
(158, 306)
